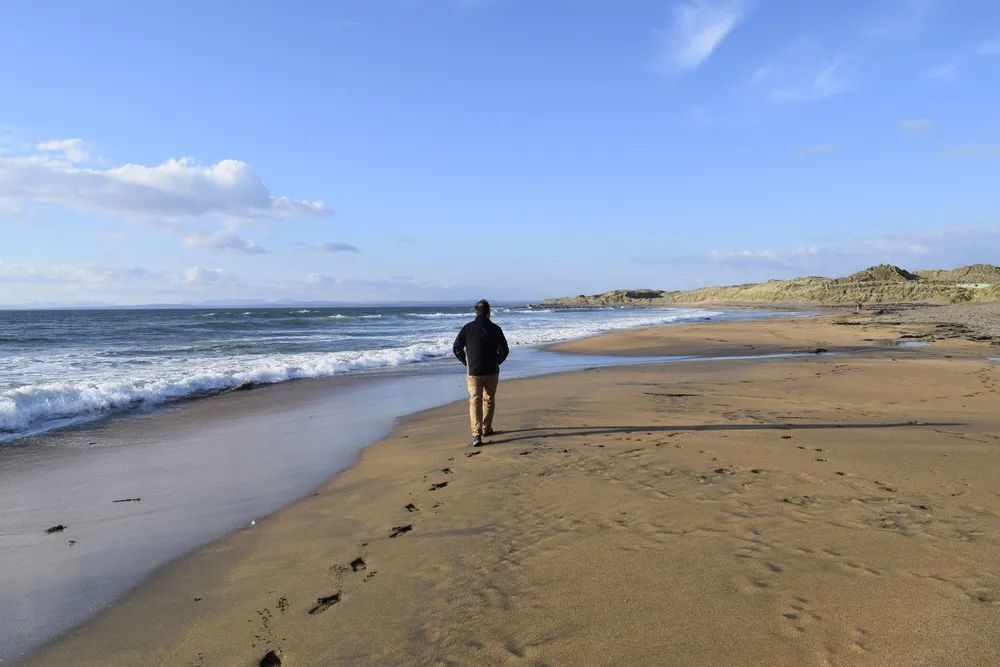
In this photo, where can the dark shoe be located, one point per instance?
(488, 432)
(477, 441)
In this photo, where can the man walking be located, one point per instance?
(481, 346)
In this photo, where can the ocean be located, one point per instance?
(64, 367)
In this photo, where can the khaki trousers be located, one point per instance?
(482, 401)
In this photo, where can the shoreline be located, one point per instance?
(137, 455)
(40, 407)
(241, 544)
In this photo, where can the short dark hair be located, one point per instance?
(482, 307)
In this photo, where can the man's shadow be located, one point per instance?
(514, 435)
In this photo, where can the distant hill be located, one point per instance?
(883, 273)
(881, 284)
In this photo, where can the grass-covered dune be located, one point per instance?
(880, 284)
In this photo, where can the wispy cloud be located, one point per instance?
(81, 273)
(335, 247)
(949, 71)
(316, 279)
(83, 276)
(816, 150)
(943, 247)
(901, 19)
(197, 275)
(989, 48)
(225, 239)
(803, 72)
(974, 150)
(72, 149)
(943, 72)
(696, 30)
(916, 125)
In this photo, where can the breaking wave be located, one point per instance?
(32, 404)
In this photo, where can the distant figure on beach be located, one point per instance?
(481, 346)
(858, 308)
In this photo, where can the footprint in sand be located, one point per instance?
(358, 564)
(439, 485)
(399, 530)
(324, 603)
(984, 595)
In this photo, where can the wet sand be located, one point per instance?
(186, 475)
(823, 509)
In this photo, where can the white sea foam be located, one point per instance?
(35, 403)
(436, 316)
(23, 407)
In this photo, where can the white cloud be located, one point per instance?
(335, 247)
(197, 275)
(319, 279)
(943, 72)
(803, 74)
(916, 125)
(697, 28)
(818, 149)
(176, 189)
(225, 239)
(72, 149)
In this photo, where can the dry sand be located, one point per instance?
(825, 509)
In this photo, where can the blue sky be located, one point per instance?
(451, 149)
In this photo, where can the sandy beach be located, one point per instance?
(835, 508)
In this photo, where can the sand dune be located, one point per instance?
(882, 284)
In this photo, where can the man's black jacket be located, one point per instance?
(481, 346)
